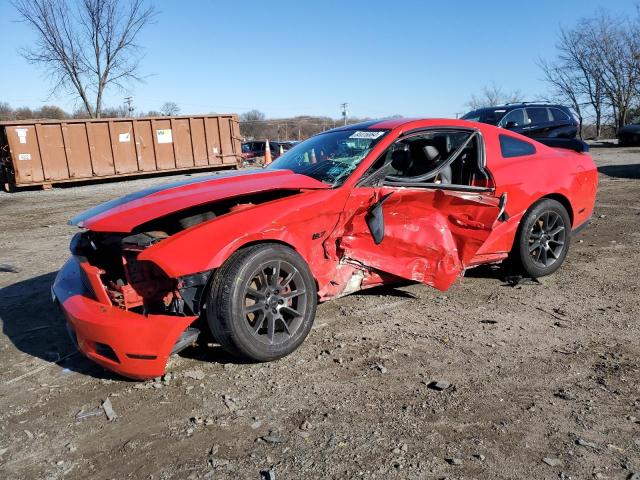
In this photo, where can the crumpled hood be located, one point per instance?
(125, 213)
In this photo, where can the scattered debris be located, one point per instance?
(305, 425)
(438, 385)
(195, 374)
(108, 410)
(490, 322)
(230, 402)
(634, 476)
(257, 424)
(479, 456)
(564, 394)
(81, 415)
(454, 461)
(273, 437)
(584, 443)
(552, 462)
(518, 280)
(380, 368)
(8, 268)
(268, 474)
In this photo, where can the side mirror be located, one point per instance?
(503, 216)
(375, 219)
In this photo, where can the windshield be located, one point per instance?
(486, 115)
(329, 157)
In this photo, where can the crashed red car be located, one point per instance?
(249, 255)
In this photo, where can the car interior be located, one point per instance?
(444, 158)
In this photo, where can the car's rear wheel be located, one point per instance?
(543, 239)
(262, 302)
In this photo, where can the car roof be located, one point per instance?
(410, 123)
(512, 106)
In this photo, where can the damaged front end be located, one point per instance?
(137, 285)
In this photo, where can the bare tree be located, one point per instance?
(616, 49)
(86, 45)
(579, 64)
(6, 112)
(493, 95)
(169, 109)
(566, 88)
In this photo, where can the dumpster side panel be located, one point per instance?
(52, 151)
(25, 153)
(182, 142)
(77, 149)
(100, 147)
(123, 147)
(144, 146)
(226, 140)
(212, 129)
(199, 142)
(163, 142)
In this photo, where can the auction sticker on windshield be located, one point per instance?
(366, 134)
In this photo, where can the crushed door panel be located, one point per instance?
(429, 234)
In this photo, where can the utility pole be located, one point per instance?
(343, 106)
(129, 102)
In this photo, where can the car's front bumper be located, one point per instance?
(129, 343)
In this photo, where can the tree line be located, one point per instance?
(54, 112)
(255, 125)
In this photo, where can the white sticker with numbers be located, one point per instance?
(366, 134)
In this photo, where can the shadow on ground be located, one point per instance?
(631, 170)
(36, 327)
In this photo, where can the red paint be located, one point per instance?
(431, 235)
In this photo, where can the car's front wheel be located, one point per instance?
(543, 239)
(262, 302)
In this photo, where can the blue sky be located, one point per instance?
(413, 58)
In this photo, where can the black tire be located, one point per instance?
(268, 328)
(543, 239)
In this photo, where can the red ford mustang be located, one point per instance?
(248, 255)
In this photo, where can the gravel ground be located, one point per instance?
(539, 381)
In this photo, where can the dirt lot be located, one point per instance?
(549, 371)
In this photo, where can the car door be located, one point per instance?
(426, 232)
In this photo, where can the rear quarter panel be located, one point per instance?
(550, 172)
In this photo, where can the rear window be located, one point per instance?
(513, 147)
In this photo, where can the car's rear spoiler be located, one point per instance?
(569, 143)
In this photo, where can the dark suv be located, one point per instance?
(535, 120)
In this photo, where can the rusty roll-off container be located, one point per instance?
(47, 152)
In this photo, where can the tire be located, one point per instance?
(543, 239)
(257, 312)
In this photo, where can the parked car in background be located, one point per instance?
(536, 120)
(630, 134)
(255, 148)
(248, 255)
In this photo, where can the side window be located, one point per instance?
(558, 115)
(515, 116)
(435, 157)
(513, 147)
(538, 115)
